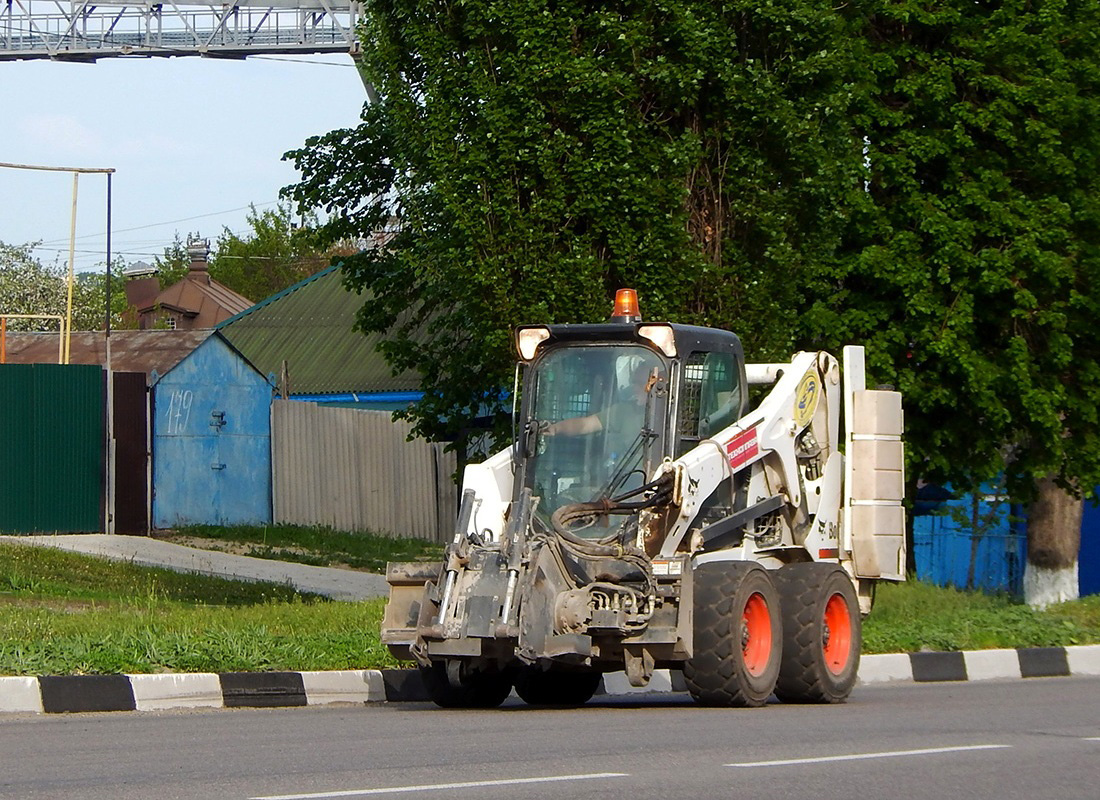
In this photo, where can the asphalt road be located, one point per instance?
(1031, 739)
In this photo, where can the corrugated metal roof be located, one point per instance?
(131, 351)
(309, 326)
(197, 295)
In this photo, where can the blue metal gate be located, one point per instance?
(212, 441)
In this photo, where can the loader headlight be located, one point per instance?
(529, 339)
(660, 335)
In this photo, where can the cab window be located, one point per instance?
(710, 397)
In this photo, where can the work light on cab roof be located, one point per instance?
(626, 310)
(626, 307)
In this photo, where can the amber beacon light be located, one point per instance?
(626, 306)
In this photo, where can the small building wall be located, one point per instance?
(212, 441)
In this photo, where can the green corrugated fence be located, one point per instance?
(52, 428)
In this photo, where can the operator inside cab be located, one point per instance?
(624, 416)
(597, 397)
(598, 409)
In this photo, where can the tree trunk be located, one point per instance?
(1053, 541)
(977, 529)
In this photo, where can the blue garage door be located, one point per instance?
(212, 442)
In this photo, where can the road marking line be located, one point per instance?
(431, 787)
(1092, 738)
(859, 756)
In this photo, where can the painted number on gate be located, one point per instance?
(179, 410)
(742, 448)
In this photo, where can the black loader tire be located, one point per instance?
(477, 689)
(738, 635)
(538, 687)
(822, 634)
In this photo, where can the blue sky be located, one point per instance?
(194, 142)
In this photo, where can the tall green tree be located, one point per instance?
(172, 264)
(531, 157)
(917, 176)
(973, 261)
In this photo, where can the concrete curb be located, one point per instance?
(54, 694)
(73, 693)
(978, 665)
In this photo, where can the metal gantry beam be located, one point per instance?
(82, 30)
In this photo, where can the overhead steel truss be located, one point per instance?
(82, 30)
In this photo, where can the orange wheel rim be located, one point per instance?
(756, 635)
(837, 634)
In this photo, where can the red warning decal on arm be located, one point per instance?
(742, 448)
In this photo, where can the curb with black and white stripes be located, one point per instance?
(54, 694)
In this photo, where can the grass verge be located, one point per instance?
(912, 616)
(321, 547)
(63, 613)
(67, 614)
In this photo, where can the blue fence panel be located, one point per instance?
(1088, 562)
(948, 554)
(942, 542)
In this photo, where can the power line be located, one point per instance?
(169, 222)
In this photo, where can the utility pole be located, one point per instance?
(67, 323)
(77, 172)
